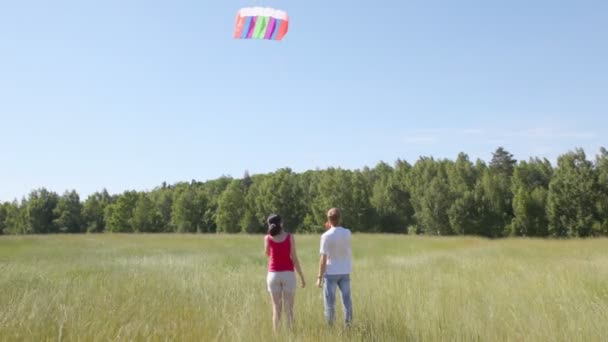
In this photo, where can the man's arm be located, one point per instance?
(323, 250)
(322, 266)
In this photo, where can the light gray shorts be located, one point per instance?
(281, 281)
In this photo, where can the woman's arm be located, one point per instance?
(266, 250)
(296, 261)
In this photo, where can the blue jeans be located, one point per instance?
(329, 296)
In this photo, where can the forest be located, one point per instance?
(500, 198)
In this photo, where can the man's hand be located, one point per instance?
(319, 282)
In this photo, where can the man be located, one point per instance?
(335, 267)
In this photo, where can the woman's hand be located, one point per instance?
(302, 282)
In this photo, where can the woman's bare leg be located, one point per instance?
(277, 307)
(289, 298)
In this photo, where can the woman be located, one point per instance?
(280, 247)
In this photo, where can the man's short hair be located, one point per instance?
(333, 216)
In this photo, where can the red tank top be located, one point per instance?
(280, 255)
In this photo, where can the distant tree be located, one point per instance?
(383, 201)
(435, 197)
(189, 208)
(385, 207)
(253, 221)
(530, 214)
(498, 192)
(119, 215)
(40, 211)
(146, 217)
(93, 211)
(431, 196)
(348, 190)
(462, 178)
(463, 175)
(68, 213)
(495, 212)
(530, 186)
(231, 208)
(16, 217)
(163, 201)
(402, 195)
(463, 214)
(309, 185)
(3, 215)
(328, 193)
(601, 165)
(363, 214)
(250, 223)
(571, 199)
(211, 192)
(247, 181)
(278, 192)
(503, 162)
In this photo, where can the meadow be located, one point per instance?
(179, 287)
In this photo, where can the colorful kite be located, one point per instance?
(261, 23)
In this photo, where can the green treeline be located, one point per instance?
(435, 197)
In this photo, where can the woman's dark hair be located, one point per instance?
(274, 225)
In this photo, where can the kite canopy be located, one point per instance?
(261, 23)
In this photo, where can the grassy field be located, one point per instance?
(212, 288)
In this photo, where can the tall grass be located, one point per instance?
(212, 288)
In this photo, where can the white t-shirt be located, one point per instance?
(336, 244)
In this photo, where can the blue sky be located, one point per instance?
(124, 94)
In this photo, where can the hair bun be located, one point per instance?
(274, 229)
